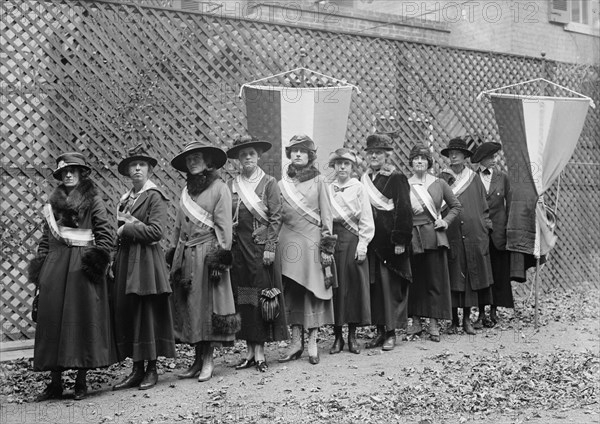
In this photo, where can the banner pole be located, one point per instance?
(536, 289)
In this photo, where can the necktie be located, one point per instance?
(486, 171)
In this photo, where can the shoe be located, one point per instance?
(292, 356)
(390, 342)
(434, 330)
(468, 327)
(314, 359)
(478, 325)
(376, 342)
(338, 345)
(246, 363)
(415, 328)
(262, 366)
(453, 329)
(205, 377)
(80, 391)
(52, 391)
(494, 315)
(133, 379)
(434, 338)
(488, 322)
(194, 369)
(150, 378)
(352, 343)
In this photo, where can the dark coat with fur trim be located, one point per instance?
(73, 326)
(394, 227)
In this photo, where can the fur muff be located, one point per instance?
(67, 206)
(328, 244)
(196, 184)
(226, 324)
(94, 264)
(302, 174)
(387, 170)
(169, 256)
(34, 268)
(217, 262)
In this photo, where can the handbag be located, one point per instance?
(268, 301)
(34, 304)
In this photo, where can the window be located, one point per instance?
(578, 15)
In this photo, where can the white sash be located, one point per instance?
(339, 212)
(69, 236)
(461, 185)
(254, 203)
(421, 195)
(378, 200)
(296, 200)
(194, 211)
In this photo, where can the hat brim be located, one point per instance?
(123, 166)
(446, 151)
(485, 150)
(386, 148)
(56, 173)
(218, 155)
(234, 152)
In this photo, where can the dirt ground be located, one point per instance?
(509, 374)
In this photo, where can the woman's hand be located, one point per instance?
(360, 256)
(326, 259)
(268, 258)
(399, 249)
(440, 224)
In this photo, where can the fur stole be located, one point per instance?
(302, 174)
(68, 207)
(196, 184)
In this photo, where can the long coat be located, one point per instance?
(73, 324)
(468, 237)
(142, 310)
(498, 199)
(204, 309)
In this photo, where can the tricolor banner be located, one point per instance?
(276, 114)
(539, 135)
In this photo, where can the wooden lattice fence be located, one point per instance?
(99, 76)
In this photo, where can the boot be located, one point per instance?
(208, 365)
(453, 329)
(467, 324)
(378, 340)
(478, 325)
(296, 346)
(151, 376)
(390, 340)
(313, 350)
(80, 385)
(338, 343)
(53, 390)
(415, 328)
(352, 343)
(494, 314)
(134, 378)
(194, 370)
(434, 330)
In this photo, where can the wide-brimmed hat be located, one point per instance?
(218, 155)
(379, 142)
(343, 154)
(245, 141)
(138, 152)
(484, 150)
(69, 159)
(457, 143)
(420, 150)
(300, 140)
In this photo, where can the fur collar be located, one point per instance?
(386, 170)
(196, 184)
(302, 174)
(68, 207)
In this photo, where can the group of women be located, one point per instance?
(253, 256)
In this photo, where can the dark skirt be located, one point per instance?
(351, 300)
(429, 294)
(248, 278)
(389, 295)
(303, 308)
(501, 290)
(471, 297)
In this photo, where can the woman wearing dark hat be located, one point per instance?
(497, 186)
(430, 292)
(305, 249)
(469, 259)
(142, 310)
(73, 321)
(257, 220)
(389, 257)
(353, 224)
(204, 309)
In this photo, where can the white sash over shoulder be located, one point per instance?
(377, 199)
(69, 236)
(127, 218)
(339, 212)
(296, 200)
(420, 195)
(254, 203)
(460, 185)
(194, 211)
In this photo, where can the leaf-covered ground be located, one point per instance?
(511, 373)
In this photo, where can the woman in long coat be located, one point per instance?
(257, 220)
(305, 249)
(469, 260)
(389, 257)
(354, 227)
(73, 321)
(430, 290)
(142, 310)
(498, 196)
(204, 309)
